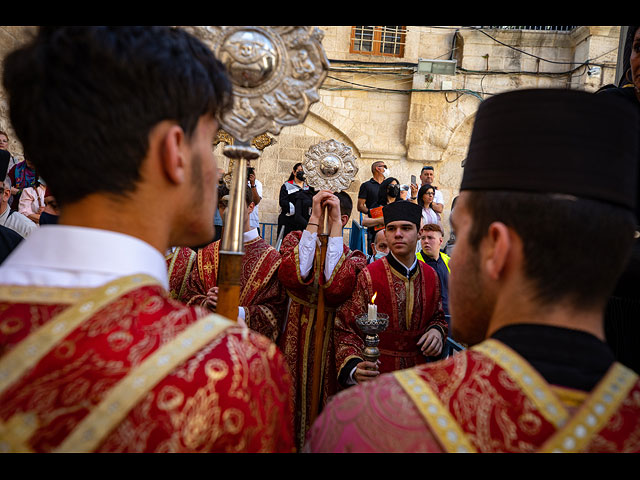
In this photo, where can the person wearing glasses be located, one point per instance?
(426, 195)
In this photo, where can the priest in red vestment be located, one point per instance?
(303, 278)
(180, 261)
(401, 287)
(535, 262)
(95, 354)
(263, 300)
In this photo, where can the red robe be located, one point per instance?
(262, 295)
(297, 340)
(125, 368)
(487, 399)
(179, 266)
(414, 306)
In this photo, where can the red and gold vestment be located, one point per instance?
(413, 304)
(262, 296)
(125, 368)
(297, 340)
(179, 266)
(487, 399)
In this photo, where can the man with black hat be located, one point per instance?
(539, 376)
(401, 287)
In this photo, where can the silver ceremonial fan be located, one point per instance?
(329, 165)
(275, 71)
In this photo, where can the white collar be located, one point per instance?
(408, 269)
(252, 234)
(93, 256)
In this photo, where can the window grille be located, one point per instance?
(378, 40)
(545, 28)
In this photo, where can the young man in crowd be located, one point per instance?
(407, 291)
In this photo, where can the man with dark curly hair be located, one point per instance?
(120, 123)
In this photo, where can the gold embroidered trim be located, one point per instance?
(394, 317)
(92, 430)
(569, 397)
(254, 271)
(199, 263)
(313, 281)
(335, 270)
(183, 286)
(346, 360)
(313, 298)
(528, 379)
(15, 434)
(594, 413)
(173, 257)
(41, 295)
(443, 425)
(30, 351)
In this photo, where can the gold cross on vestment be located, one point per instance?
(208, 268)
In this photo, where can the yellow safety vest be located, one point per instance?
(445, 259)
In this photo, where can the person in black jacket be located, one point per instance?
(287, 200)
(622, 328)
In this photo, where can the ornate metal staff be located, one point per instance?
(275, 73)
(328, 165)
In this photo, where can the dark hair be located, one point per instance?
(562, 238)
(83, 100)
(382, 190)
(626, 56)
(422, 191)
(295, 167)
(374, 165)
(426, 168)
(346, 204)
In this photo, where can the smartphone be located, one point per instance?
(413, 180)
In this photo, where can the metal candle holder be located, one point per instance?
(371, 330)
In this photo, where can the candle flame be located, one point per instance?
(373, 299)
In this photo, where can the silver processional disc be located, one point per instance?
(330, 165)
(275, 71)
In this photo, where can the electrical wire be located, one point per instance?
(373, 68)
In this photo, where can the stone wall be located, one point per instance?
(10, 38)
(385, 110)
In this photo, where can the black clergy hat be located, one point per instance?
(555, 141)
(402, 210)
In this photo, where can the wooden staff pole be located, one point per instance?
(232, 246)
(319, 330)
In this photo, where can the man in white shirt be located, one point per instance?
(12, 219)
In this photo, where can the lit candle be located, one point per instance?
(373, 309)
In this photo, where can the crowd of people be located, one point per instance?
(109, 336)
(26, 202)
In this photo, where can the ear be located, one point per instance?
(172, 154)
(498, 246)
(344, 219)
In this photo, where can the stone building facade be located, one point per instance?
(384, 108)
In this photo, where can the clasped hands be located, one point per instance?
(211, 302)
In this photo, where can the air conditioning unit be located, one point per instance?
(437, 67)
